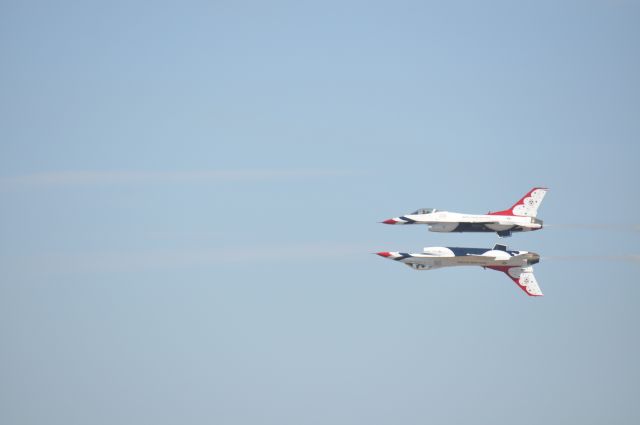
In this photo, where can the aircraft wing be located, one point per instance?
(454, 220)
(459, 259)
(523, 277)
(428, 262)
(474, 259)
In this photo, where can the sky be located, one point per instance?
(190, 196)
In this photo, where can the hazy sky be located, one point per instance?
(190, 191)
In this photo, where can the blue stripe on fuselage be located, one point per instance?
(461, 252)
(407, 219)
(479, 227)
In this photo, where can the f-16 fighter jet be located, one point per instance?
(515, 264)
(521, 217)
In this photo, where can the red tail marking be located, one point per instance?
(505, 270)
(520, 202)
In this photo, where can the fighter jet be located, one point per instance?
(521, 217)
(515, 264)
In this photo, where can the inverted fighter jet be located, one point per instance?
(515, 264)
(521, 217)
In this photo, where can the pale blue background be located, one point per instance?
(208, 259)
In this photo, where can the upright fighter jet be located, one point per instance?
(521, 217)
(515, 264)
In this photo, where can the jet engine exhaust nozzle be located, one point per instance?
(533, 258)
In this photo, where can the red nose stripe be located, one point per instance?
(384, 254)
(390, 221)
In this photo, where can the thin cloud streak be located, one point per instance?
(80, 178)
(135, 261)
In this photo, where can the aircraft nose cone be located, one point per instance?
(384, 254)
(390, 221)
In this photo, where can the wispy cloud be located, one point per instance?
(80, 178)
(149, 260)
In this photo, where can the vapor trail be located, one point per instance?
(596, 226)
(633, 258)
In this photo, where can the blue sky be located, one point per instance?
(191, 190)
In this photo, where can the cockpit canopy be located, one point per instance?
(424, 211)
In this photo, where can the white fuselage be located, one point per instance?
(515, 264)
(440, 256)
(445, 221)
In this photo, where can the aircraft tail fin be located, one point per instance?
(528, 205)
(523, 277)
